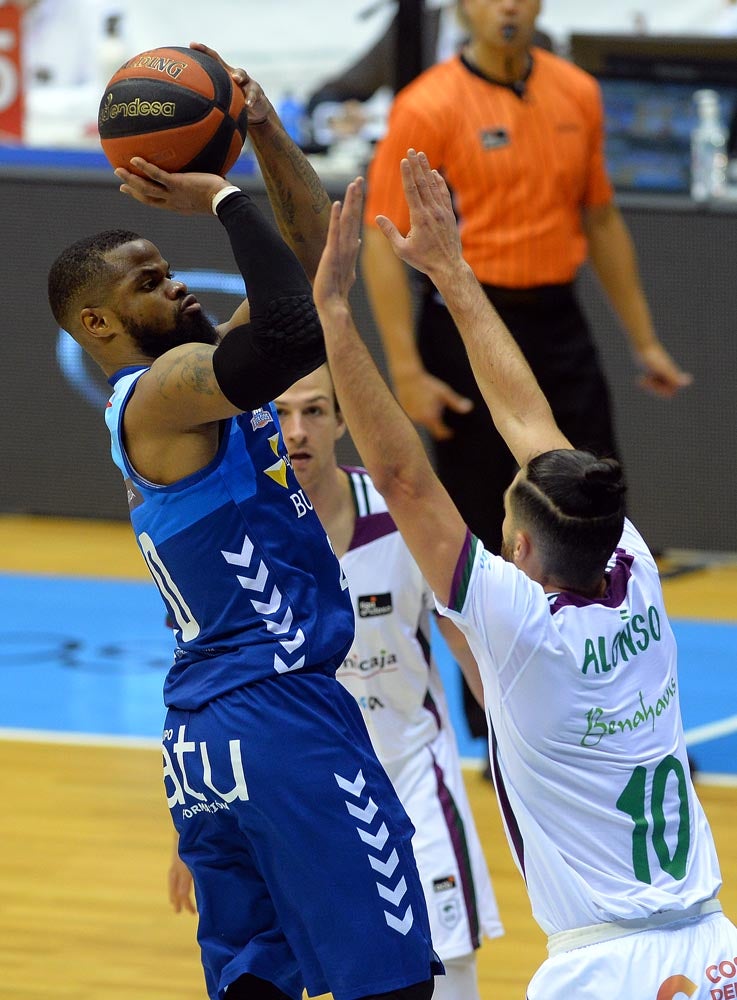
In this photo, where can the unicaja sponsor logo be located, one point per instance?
(136, 109)
(160, 64)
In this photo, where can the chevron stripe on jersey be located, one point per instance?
(242, 562)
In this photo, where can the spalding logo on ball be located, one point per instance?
(175, 107)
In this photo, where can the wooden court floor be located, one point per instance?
(85, 834)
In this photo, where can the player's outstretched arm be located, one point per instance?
(517, 405)
(298, 199)
(383, 434)
(461, 652)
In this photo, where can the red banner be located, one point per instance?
(11, 79)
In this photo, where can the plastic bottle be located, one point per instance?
(111, 51)
(708, 148)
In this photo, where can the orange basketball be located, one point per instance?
(175, 107)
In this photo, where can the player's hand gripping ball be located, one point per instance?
(177, 108)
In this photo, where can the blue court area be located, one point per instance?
(81, 656)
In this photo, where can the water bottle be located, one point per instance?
(112, 51)
(708, 148)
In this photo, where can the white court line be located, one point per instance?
(711, 731)
(79, 739)
(722, 780)
(467, 763)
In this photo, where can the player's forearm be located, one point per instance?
(382, 433)
(298, 199)
(387, 285)
(516, 402)
(463, 656)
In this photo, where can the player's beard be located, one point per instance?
(506, 552)
(189, 328)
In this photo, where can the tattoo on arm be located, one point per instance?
(192, 371)
(281, 188)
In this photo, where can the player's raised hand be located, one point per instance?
(336, 272)
(433, 242)
(258, 105)
(186, 193)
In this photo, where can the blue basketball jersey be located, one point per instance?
(240, 558)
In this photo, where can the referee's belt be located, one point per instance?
(580, 937)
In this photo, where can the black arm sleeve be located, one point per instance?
(283, 340)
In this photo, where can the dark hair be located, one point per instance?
(79, 266)
(573, 503)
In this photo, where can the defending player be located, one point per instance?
(577, 659)
(391, 673)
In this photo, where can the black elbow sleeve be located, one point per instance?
(269, 267)
(256, 362)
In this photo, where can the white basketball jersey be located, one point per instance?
(392, 675)
(389, 669)
(586, 738)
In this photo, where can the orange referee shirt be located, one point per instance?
(520, 168)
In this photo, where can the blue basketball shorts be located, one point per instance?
(298, 845)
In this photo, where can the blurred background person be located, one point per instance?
(358, 98)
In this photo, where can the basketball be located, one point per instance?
(175, 107)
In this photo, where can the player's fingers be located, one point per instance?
(137, 183)
(442, 190)
(419, 176)
(151, 171)
(415, 170)
(409, 184)
(239, 75)
(145, 199)
(201, 47)
(351, 214)
(431, 178)
(391, 232)
(429, 183)
(333, 236)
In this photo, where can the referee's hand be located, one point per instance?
(425, 398)
(661, 375)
